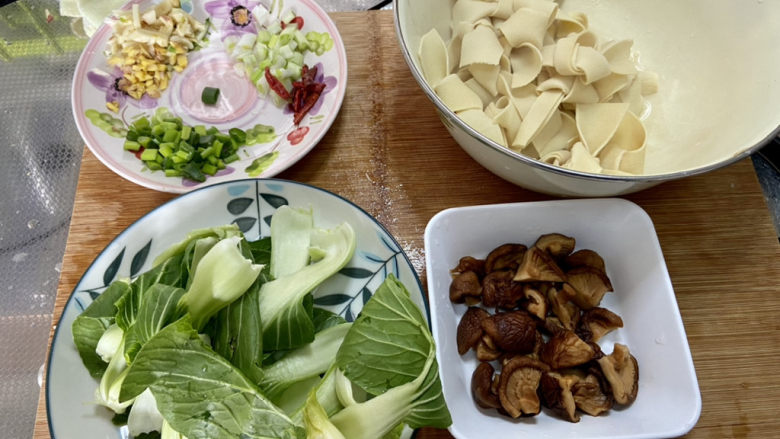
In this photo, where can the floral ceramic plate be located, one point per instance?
(248, 203)
(240, 105)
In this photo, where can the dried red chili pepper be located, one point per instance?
(304, 94)
(311, 99)
(297, 20)
(308, 74)
(298, 97)
(276, 85)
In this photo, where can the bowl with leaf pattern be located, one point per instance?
(250, 204)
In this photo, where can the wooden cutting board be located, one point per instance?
(389, 153)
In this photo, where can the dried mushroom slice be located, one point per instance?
(487, 350)
(518, 385)
(500, 291)
(556, 391)
(585, 258)
(469, 331)
(565, 349)
(621, 371)
(513, 332)
(568, 313)
(505, 257)
(482, 389)
(468, 263)
(553, 325)
(589, 394)
(589, 284)
(557, 245)
(538, 266)
(535, 302)
(465, 288)
(596, 323)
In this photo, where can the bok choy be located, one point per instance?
(221, 339)
(286, 318)
(390, 354)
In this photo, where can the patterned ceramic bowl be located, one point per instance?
(249, 204)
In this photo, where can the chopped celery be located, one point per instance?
(131, 145)
(263, 36)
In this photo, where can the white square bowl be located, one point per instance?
(668, 403)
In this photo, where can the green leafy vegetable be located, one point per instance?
(287, 321)
(167, 432)
(90, 325)
(144, 416)
(325, 392)
(109, 342)
(237, 336)
(261, 251)
(318, 426)
(169, 272)
(324, 319)
(158, 308)
(200, 393)
(310, 360)
(180, 248)
(291, 231)
(390, 354)
(108, 391)
(222, 275)
(266, 363)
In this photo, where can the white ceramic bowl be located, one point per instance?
(668, 403)
(717, 98)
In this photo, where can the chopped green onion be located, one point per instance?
(210, 95)
(209, 169)
(164, 143)
(149, 155)
(131, 145)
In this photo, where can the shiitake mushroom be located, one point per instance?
(517, 388)
(469, 331)
(548, 289)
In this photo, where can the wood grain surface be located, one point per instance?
(389, 153)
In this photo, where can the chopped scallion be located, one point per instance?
(210, 95)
